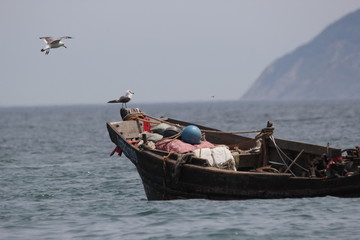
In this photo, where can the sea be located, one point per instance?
(59, 182)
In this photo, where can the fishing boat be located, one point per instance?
(228, 166)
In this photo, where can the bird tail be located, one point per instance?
(113, 101)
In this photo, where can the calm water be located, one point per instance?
(58, 181)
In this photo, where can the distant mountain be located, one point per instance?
(328, 67)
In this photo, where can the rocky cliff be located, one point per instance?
(328, 67)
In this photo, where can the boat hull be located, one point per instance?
(212, 183)
(164, 178)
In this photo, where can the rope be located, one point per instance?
(133, 116)
(239, 132)
(181, 160)
(203, 130)
(172, 138)
(164, 170)
(167, 156)
(297, 157)
(140, 117)
(278, 149)
(145, 120)
(279, 153)
(162, 121)
(267, 169)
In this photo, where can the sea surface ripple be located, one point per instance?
(58, 181)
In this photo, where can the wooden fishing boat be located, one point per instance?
(263, 167)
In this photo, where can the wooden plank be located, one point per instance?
(308, 148)
(129, 129)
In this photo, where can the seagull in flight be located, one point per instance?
(53, 43)
(123, 99)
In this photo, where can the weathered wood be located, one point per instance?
(294, 161)
(308, 148)
(265, 151)
(128, 129)
(197, 180)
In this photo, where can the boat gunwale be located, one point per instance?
(141, 153)
(210, 168)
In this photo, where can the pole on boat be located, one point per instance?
(292, 163)
(264, 135)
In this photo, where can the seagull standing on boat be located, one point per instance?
(53, 43)
(123, 99)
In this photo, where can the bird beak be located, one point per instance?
(65, 46)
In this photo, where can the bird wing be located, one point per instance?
(113, 101)
(54, 40)
(65, 37)
(124, 99)
(48, 39)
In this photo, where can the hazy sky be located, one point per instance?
(163, 50)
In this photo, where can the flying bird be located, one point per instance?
(123, 99)
(53, 43)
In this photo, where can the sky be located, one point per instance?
(163, 50)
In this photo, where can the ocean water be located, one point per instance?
(58, 181)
